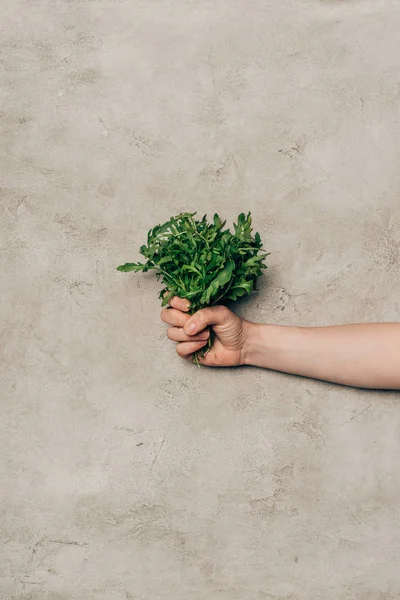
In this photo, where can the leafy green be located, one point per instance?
(203, 262)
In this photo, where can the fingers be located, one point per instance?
(216, 315)
(174, 317)
(185, 349)
(180, 303)
(176, 334)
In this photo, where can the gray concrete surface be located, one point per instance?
(127, 474)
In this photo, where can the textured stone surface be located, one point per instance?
(127, 474)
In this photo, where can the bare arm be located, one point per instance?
(366, 355)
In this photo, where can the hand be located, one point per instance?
(192, 333)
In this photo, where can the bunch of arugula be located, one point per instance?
(203, 262)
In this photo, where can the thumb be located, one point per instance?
(215, 315)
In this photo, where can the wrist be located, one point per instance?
(270, 346)
(257, 344)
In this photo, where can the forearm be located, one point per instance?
(365, 355)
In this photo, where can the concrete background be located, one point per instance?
(127, 474)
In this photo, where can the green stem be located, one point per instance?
(204, 351)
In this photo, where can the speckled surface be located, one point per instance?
(127, 474)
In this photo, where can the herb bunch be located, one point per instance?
(203, 262)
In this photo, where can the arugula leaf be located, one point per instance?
(226, 274)
(131, 267)
(201, 261)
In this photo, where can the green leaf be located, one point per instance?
(131, 267)
(235, 293)
(225, 275)
(243, 289)
(166, 297)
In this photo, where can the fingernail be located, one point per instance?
(190, 328)
(186, 304)
(205, 335)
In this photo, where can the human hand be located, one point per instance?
(191, 332)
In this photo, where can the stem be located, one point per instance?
(204, 351)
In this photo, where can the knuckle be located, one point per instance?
(224, 313)
(203, 315)
(183, 320)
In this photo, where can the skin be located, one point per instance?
(362, 355)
